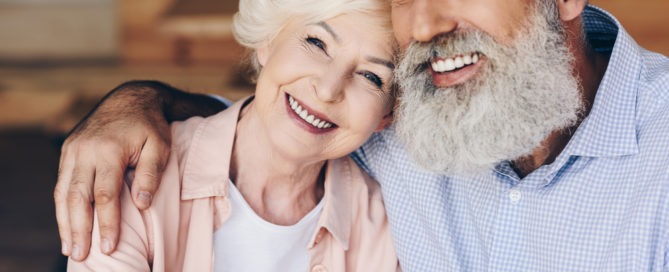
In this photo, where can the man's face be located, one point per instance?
(423, 20)
(482, 81)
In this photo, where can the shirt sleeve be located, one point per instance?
(132, 252)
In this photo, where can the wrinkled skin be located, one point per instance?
(127, 134)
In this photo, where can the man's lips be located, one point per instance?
(442, 65)
(455, 70)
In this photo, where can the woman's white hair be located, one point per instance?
(259, 21)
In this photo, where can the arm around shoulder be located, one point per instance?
(128, 129)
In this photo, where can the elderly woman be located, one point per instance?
(266, 184)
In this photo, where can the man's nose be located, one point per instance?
(431, 18)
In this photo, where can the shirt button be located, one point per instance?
(319, 268)
(514, 196)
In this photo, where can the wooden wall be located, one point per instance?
(56, 30)
(646, 20)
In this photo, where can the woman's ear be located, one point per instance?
(385, 121)
(570, 9)
(262, 53)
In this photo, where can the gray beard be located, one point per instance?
(523, 93)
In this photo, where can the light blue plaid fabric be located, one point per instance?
(603, 205)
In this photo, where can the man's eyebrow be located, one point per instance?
(329, 29)
(381, 61)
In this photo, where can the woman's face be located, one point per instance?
(325, 87)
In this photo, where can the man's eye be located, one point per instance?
(376, 80)
(317, 42)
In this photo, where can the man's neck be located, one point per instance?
(589, 69)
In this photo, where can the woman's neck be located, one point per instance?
(280, 190)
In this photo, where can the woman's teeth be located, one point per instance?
(304, 114)
(450, 64)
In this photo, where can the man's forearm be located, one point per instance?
(174, 104)
(180, 105)
(154, 100)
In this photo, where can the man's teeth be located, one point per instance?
(450, 64)
(304, 114)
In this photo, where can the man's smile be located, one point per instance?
(441, 65)
(457, 69)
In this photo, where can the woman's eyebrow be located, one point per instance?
(329, 29)
(381, 61)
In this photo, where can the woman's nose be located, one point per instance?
(329, 87)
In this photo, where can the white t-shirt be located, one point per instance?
(246, 242)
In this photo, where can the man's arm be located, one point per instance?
(127, 129)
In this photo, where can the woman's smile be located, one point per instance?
(308, 118)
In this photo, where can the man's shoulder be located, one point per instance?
(652, 116)
(653, 99)
(655, 74)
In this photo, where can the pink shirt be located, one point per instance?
(176, 232)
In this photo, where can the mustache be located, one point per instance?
(418, 56)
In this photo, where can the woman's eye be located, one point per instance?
(317, 42)
(376, 80)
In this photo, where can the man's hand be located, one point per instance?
(127, 131)
(121, 133)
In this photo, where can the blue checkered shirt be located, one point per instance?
(603, 205)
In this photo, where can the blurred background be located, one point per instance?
(59, 57)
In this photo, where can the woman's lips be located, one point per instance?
(308, 118)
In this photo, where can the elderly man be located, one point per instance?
(531, 135)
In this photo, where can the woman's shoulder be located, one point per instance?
(198, 131)
(360, 180)
(361, 191)
(212, 130)
(369, 240)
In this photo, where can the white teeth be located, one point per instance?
(450, 64)
(459, 63)
(304, 114)
(467, 59)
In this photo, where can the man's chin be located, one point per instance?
(445, 163)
